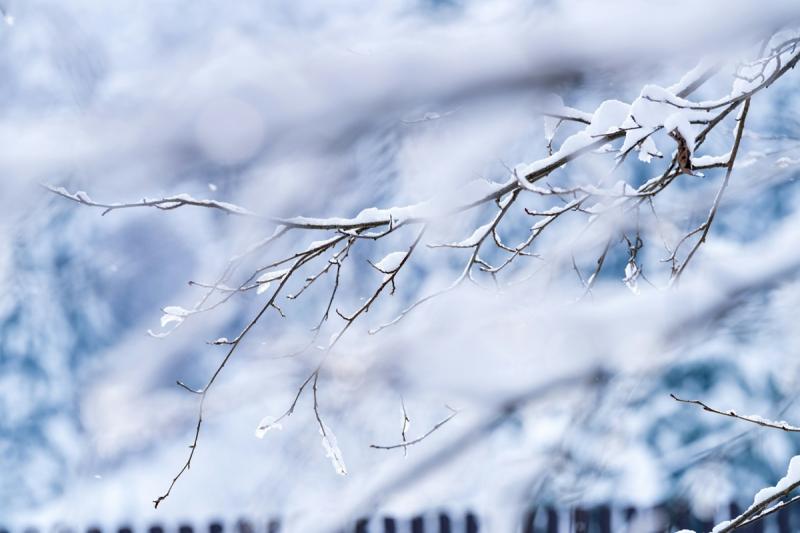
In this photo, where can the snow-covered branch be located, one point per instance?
(614, 131)
(753, 419)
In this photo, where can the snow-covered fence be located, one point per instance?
(665, 518)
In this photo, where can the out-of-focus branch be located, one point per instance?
(783, 426)
(406, 443)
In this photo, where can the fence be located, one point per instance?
(601, 519)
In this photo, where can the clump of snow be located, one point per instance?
(792, 477)
(692, 76)
(391, 262)
(651, 110)
(608, 117)
(371, 215)
(321, 244)
(471, 193)
(711, 160)
(473, 239)
(268, 423)
(680, 121)
(265, 280)
(570, 147)
(648, 150)
(632, 276)
(174, 313)
(332, 450)
(720, 526)
(780, 423)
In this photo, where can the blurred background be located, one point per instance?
(324, 109)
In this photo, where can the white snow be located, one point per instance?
(332, 450)
(649, 112)
(233, 208)
(83, 197)
(779, 423)
(680, 121)
(608, 117)
(648, 150)
(321, 243)
(573, 144)
(550, 126)
(263, 287)
(473, 239)
(711, 160)
(471, 192)
(272, 275)
(555, 106)
(267, 424)
(692, 76)
(174, 313)
(391, 262)
(265, 280)
(631, 277)
(792, 476)
(720, 526)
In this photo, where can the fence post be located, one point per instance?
(580, 521)
(444, 524)
(389, 525)
(601, 517)
(552, 520)
(472, 523)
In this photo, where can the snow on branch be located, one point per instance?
(657, 115)
(167, 203)
(767, 501)
(753, 419)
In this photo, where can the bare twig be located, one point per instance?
(406, 443)
(783, 426)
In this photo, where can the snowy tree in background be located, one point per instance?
(559, 264)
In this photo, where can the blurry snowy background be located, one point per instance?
(325, 108)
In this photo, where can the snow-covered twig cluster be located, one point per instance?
(634, 127)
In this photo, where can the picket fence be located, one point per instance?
(600, 519)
